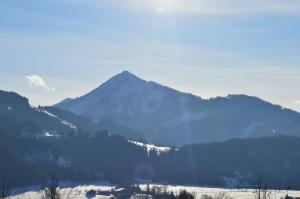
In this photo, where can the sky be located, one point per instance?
(54, 49)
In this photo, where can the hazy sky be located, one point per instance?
(53, 49)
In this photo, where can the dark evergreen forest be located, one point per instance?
(27, 161)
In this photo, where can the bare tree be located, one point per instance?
(258, 188)
(265, 192)
(185, 195)
(4, 192)
(53, 191)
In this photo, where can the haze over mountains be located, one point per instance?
(98, 140)
(169, 117)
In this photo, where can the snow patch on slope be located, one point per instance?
(151, 147)
(69, 124)
(41, 110)
(48, 133)
(64, 122)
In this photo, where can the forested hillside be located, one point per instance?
(108, 157)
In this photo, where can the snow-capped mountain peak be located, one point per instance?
(124, 77)
(124, 93)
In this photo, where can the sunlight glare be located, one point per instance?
(164, 6)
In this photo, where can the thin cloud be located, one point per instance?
(204, 7)
(37, 81)
(231, 7)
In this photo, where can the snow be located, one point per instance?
(119, 189)
(47, 134)
(144, 196)
(69, 124)
(79, 191)
(233, 193)
(150, 147)
(124, 94)
(46, 112)
(64, 122)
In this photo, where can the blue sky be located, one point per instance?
(53, 49)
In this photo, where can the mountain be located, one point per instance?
(167, 116)
(38, 142)
(18, 118)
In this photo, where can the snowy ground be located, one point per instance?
(233, 193)
(78, 192)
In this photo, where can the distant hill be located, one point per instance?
(167, 116)
(29, 161)
(18, 118)
(237, 162)
(234, 163)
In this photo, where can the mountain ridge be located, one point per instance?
(101, 155)
(19, 118)
(170, 117)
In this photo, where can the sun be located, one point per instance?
(163, 6)
(160, 10)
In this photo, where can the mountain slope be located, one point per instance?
(18, 118)
(167, 116)
(87, 125)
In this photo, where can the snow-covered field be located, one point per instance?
(233, 193)
(71, 191)
(78, 192)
